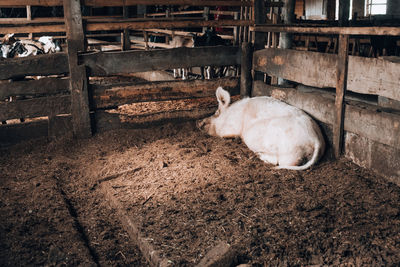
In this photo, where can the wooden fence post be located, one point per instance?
(260, 17)
(246, 66)
(78, 80)
(341, 83)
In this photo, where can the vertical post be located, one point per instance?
(344, 11)
(341, 83)
(236, 30)
(286, 38)
(29, 17)
(78, 79)
(246, 66)
(125, 40)
(260, 17)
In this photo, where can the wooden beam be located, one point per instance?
(362, 78)
(108, 63)
(49, 64)
(138, 25)
(43, 86)
(341, 82)
(78, 80)
(117, 24)
(36, 107)
(17, 3)
(246, 65)
(112, 96)
(106, 121)
(392, 31)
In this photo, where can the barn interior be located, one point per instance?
(102, 164)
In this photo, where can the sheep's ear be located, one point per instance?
(223, 98)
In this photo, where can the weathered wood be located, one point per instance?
(106, 121)
(103, 64)
(16, 3)
(245, 73)
(43, 86)
(118, 24)
(315, 69)
(36, 107)
(363, 119)
(38, 65)
(384, 30)
(14, 133)
(78, 80)
(112, 96)
(341, 82)
(138, 25)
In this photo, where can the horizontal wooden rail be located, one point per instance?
(116, 95)
(318, 70)
(36, 107)
(393, 31)
(108, 63)
(132, 25)
(56, 63)
(117, 24)
(16, 3)
(45, 86)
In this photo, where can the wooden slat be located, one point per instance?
(16, 3)
(341, 82)
(112, 96)
(119, 24)
(14, 133)
(34, 87)
(56, 63)
(314, 69)
(78, 80)
(107, 63)
(110, 121)
(135, 25)
(378, 76)
(384, 30)
(36, 107)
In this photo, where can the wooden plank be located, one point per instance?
(112, 96)
(341, 82)
(362, 76)
(119, 24)
(56, 63)
(107, 63)
(36, 107)
(245, 73)
(14, 133)
(291, 65)
(16, 3)
(34, 87)
(106, 121)
(377, 76)
(78, 80)
(383, 30)
(139, 25)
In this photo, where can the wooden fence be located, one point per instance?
(67, 100)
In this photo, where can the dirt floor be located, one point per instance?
(187, 192)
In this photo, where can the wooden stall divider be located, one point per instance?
(341, 84)
(78, 80)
